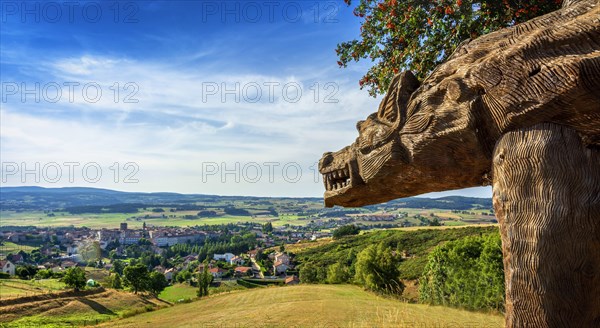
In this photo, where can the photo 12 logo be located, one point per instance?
(53, 92)
(69, 11)
(269, 11)
(69, 172)
(271, 92)
(253, 172)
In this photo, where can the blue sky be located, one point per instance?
(232, 98)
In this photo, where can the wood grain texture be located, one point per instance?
(547, 199)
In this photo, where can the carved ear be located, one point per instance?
(392, 109)
(569, 3)
(408, 85)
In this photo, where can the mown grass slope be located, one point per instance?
(307, 306)
(75, 310)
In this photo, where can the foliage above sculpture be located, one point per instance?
(419, 35)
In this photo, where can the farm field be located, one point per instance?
(308, 306)
(182, 219)
(7, 247)
(112, 220)
(10, 288)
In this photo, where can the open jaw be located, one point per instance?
(341, 178)
(338, 179)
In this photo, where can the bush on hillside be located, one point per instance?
(467, 272)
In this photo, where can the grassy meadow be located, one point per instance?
(178, 292)
(307, 306)
(10, 288)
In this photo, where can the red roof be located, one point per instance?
(291, 279)
(243, 269)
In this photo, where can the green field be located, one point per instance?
(112, 220)
(10, 288)
(8, 247)
(178, 292)
(307, 306)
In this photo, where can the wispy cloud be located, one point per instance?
(175, 126)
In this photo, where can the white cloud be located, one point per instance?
(172, 130)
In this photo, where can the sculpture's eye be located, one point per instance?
(453, 90)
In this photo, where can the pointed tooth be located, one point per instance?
(345, 172)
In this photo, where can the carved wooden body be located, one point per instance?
(547, 200)
(440, 135)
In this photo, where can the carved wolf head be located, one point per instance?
(411, 145)
(440, 135)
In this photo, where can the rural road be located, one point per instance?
(256, 268)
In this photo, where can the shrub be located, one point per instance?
(467, 272)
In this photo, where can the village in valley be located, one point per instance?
(172, 249)
(64, 248)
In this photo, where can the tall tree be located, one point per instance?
(74, 278)
(337, 273)
(157, 282)
(308, 273)
(204, 280)
(136, 277)
(418, 35)
(377, 269)
(116, 282)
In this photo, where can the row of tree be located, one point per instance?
(375, 268)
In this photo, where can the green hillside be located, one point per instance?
(307, 306)
(415, 243)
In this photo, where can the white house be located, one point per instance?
(279, 267)
(223, 257)
(217, 272)
(7, 267)
(169, 274)
(236, 260)
(283, 258)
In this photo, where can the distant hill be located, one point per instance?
(39, 198)
(307, 306)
